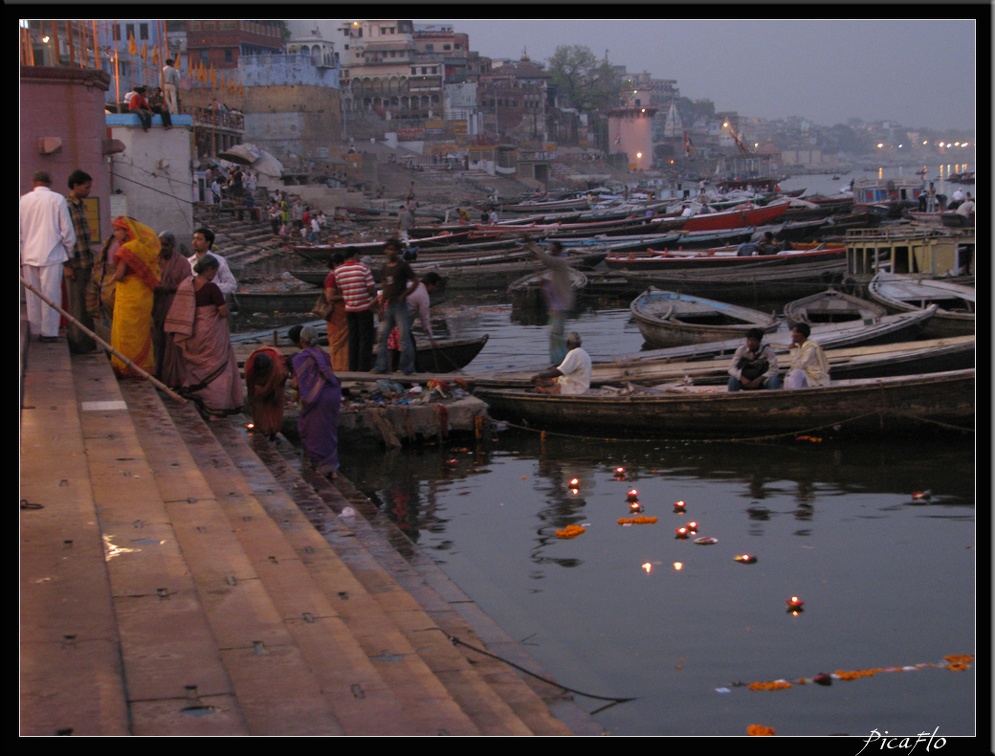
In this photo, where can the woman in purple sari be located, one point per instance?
(320, 395)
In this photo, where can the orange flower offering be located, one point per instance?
(771, 685)
(759, 730)
(855, 674)
(958, 658)
(570, 531)
(641, 520)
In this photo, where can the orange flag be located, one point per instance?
(214, 77)
(132, 47)
(155, 55)
(145, 52)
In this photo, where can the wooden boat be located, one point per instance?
(450, 354)
(273, 301)
(670, 318)
(967, 177)
(905, 326)
(936, 252)
(749, 284)
(955, 303)
(876, 361)
(832, 306)
(719, 257)
(578, 280)
(528, 290)
(738, 217)
(942, 401)
(490, 276)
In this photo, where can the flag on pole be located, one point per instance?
(132, 47)
(618, 137)
(145, 52)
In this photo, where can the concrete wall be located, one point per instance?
(67, 106)
(153, 174)
(285, 70)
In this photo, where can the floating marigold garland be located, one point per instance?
(953, 662)
(570, 531)
(641, 520)
(759, 730)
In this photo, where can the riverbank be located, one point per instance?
(181, 579)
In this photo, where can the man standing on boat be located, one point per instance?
(572, 376)
(559, 296)
(808, 365)
(754, 365)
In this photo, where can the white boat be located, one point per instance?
(955, 302)
(670, 318)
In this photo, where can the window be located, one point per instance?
(229, 56)
(117, 32)
(143, 31)
(447, 47)
(431, 48)
(208, 26)
(194, 25)
(130, 28)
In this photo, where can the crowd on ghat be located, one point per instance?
(161, 310)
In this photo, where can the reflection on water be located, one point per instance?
(887, 580)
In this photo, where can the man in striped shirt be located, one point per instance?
(355, 281)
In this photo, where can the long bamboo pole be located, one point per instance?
(150, 378)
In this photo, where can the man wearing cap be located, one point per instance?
(46, 240)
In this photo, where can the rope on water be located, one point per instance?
(457, 642)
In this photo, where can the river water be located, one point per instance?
(888, 581)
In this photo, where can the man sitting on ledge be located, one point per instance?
(573, 376)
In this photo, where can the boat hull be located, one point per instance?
(938, 401)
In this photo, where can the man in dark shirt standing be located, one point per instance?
(77, 269)
(399, 280)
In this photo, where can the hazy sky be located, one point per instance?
(918, 72)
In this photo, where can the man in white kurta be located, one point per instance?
(203, 243)
(570, 377)
(46, 240)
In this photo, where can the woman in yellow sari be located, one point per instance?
(136, 275)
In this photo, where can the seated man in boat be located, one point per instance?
(754, 365)
(767, 245)
(572, 376)
(808, 365)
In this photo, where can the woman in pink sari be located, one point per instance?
(198, 320)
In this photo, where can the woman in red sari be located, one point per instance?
(198, 318)
(136, 274)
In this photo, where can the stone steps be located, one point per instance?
(186, 578)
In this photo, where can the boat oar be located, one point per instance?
(152, 379)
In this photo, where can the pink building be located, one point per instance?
(630, 130)
(63, 128)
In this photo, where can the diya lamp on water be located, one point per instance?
(680, 506)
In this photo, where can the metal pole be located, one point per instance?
(152, 379)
